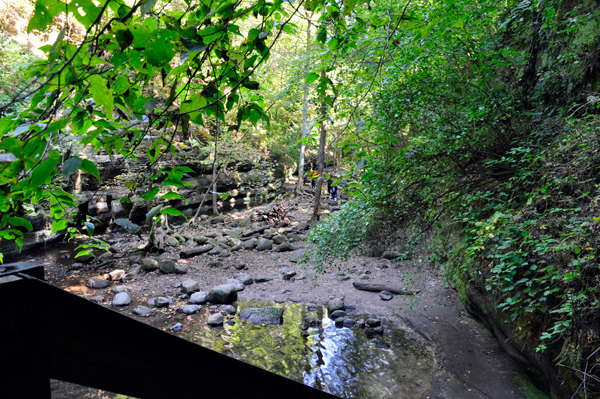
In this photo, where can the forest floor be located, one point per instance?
(469, 362)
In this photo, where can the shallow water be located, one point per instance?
(341, 361)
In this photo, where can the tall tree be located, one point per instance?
(321, 159)
(300, 185)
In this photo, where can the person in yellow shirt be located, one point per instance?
(314, 175)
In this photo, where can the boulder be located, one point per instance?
(166, 266)
(236, 248)
(171, 241)
(232, 233)
(335, 304)
(285, 247)
(149, 264)
(311, 321)
(264, 244)
(302, 226)
(297, 255)
(217, 219)
(188, 309)
(180, 269)
(215, 263)
(287, 274)
(198, 298)
(226, 293)
(200, 240)
(279, 239)
(239, 286)
(227, 310)
(349, 323)
(338, 313)
(76, 266)
(215, 319)
(97, 283)
(224, 254)
(161, 302)
(373, 322)
(268, 314)
(244, 278)
(189, 287)
(215, 251)
(115, 275)
(86, 258)
(121, 299)
(240, 266)
(143, 311)
(119, 288)
(134, 259)
(250, 244)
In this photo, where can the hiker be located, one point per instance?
(332, 189)
(314, 175)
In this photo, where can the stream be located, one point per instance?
(341, 361)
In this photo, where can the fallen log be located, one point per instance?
(196, 251)
(256, 231)
(381, 287)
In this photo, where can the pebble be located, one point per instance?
(385, 295)
(177, 327)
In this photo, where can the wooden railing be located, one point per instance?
(46, 333)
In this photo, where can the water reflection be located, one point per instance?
(341, 361)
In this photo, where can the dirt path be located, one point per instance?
(470, 363)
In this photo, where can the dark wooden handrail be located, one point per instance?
(46, 332)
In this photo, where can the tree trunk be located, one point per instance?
(317, 203)
(214, 196)
(300, 185)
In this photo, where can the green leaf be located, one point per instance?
(57, 125)
(146, 6)
(149, 196)
(90, 228)
(59, 225)
(193, 46)
(89, 167)
(102, 94)
(153, 212)
(20, 222)
(312, 77)
(172, 212)
(42, 172)
(44, 13)
(83, 253)
(332, 44)
(85, 11)
(71, 166)
(120, 85)
(172, 195)
(160, 50)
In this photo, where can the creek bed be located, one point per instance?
(341, 361)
